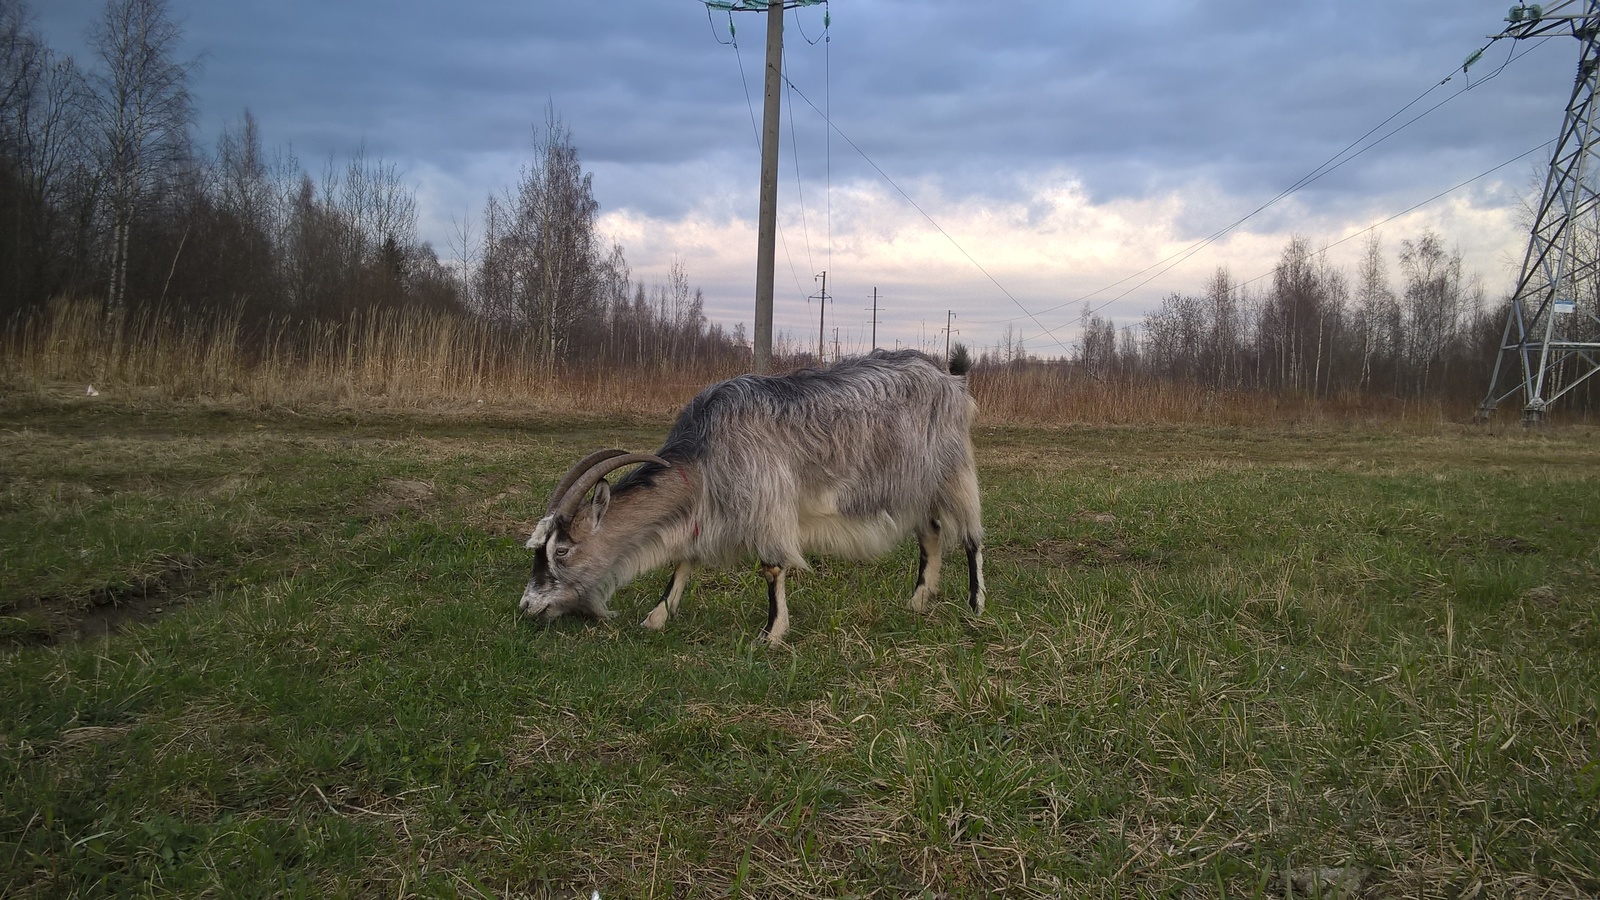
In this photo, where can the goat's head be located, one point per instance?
(572, 563)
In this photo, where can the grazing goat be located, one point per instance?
(847, 460)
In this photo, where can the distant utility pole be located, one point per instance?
(874, 318)
(767, 224)
(822, 313)
(949, 318)
(1546, 348)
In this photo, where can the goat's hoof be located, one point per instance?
(923, 598)
(657, 619)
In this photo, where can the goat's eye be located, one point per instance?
(563, 552)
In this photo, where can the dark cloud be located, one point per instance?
(1255, 92)
(1237, 99)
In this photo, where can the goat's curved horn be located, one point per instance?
(576, 472)
(568, 504)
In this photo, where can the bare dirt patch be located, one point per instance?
(1074, 553)
(102, 611)
(396, 495)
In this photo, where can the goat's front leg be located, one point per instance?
(777, 605)
(668, 607)
(928, 559)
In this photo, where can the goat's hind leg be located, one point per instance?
(978, 593)
(966, 515)
(928, 560)
(668, 607)
(777, 605)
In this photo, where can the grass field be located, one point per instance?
(273, 653)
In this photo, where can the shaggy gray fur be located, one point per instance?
(873, 436)
(847, 461)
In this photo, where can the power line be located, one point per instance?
(712, 22)
(754, 127)
(799, 183)
(914, 205)
(1166, 264)
(1331, 164)
(827, 24)
(1415, 206)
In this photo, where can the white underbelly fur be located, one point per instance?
(828, 533)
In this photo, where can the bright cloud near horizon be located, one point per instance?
(1053, 153)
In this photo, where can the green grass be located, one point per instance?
(1212, 657)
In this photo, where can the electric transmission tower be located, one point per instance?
(767, 225)
(1551, 342)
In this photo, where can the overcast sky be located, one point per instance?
(1058, 148)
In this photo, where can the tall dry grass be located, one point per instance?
(1039, 395)
(421, 360)
(402, 359)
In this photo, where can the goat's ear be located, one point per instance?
(601, 502)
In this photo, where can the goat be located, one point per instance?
(847, 460)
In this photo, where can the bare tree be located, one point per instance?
(247, 219)
(23, 56)
(1220, 362)
(1097, 348)
(244, 183)
(1434, 303)
(1300, 320)
(1377, 313)
(1174, 335)
(540, 249)
(145, 115)
(47, 178)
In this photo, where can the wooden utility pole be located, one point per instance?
(767, 222)
(767, 227)
(874, 318)
(822, 315)
(949, 319)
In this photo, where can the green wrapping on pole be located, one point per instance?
(758, 5)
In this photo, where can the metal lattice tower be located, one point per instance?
(1551, 342)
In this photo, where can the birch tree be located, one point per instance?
(145, 115)
(541, 264)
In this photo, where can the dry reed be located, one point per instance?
(1039, 395)
(410, 359)
(402, 359)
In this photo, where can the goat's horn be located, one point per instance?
(569, 503)
(576, 472)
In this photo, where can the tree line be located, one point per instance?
(106, 194)
(1313, 330)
